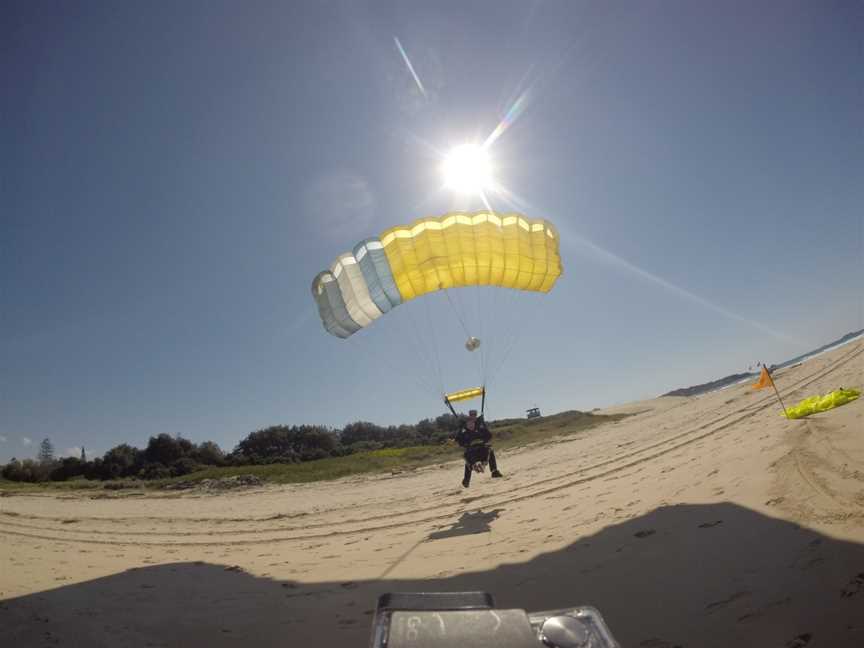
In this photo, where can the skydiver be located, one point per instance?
(474, 436)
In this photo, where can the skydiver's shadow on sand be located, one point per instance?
(713, 575)
(468, 524)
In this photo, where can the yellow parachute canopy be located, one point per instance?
(465, 394)
(455, 250)
(472, 249)
(816, 404)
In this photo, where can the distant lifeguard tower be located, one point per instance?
(534, 412)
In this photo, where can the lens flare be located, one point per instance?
(467, 170)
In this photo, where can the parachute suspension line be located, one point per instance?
(434, 347)
(450, 405)
(476, 324)
(423, 343)
(459, 315)
(477, 295)
(418, 350)
(423, 385)
(423, 349)
(504, 357)
(429, 387)
(508, 340)
(492, 342)
(472, 316)
(477, 302)
(495, 314)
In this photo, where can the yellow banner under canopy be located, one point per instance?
(465, 394)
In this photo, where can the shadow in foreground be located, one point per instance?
(689, 575)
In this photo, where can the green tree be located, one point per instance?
(164, 449)
(27, 470)
(121, 461)
(46, 452)
(286, 444)
(12, 470)
(210, 454)
(67, 468)
(361, 431)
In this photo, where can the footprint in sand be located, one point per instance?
(800, 641)
(732, 598)
(708, 525)
(656, 642)
(854, 587)
(644, 533)
(761, 611)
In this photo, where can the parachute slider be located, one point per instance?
(465, 394)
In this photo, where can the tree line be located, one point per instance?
(172, 456)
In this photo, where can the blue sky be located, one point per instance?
(175, 174)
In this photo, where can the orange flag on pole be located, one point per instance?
(764, 380)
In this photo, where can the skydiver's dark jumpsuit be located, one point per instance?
(474, 441)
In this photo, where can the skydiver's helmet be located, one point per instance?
(472, 343)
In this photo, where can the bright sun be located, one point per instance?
(467, 170)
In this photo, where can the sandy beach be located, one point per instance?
(701, 521)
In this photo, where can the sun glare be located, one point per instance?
(467, 170)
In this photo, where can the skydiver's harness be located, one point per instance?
(476, 454)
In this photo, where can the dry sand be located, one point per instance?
(703, 521)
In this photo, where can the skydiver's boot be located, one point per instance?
(494, 464)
